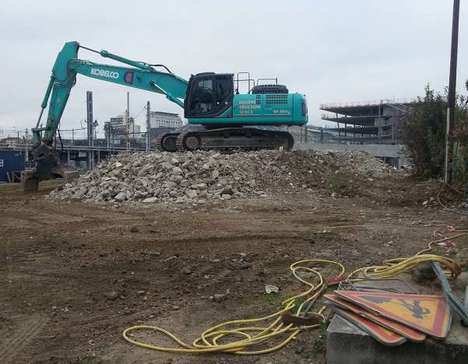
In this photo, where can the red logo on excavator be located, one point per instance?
(128, 77)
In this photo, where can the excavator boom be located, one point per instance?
(67, 65)
(140, 75)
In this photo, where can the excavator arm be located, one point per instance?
(67, 66)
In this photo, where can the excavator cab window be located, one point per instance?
(209, 95)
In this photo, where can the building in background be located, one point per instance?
(367, 123)
(161, 122)
(116, 132)
(11, 141)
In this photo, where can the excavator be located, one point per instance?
(219, 116)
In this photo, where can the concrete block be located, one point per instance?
(347, 344)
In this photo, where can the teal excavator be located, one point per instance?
(219, 116)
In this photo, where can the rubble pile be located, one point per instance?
(200, 176)
(364, 164)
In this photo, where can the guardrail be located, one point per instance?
(80, 148)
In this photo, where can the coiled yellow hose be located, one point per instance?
(249, 336)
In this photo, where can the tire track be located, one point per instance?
(27, 331)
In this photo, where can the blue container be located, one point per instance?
(10, 161)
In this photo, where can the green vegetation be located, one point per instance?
(424, 136)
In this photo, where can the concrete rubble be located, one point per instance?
(207, 175)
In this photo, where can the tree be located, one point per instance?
(424, 133)
(424, 136)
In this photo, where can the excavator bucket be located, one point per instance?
(47, 167)
(29, 181)
(30, 178)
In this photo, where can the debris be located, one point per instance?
(112, 295)
(121, 196)
(269, 288)
(218, 297)
(187, 270)
(244, 265)
(207, 175)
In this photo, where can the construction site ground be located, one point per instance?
(74, 275)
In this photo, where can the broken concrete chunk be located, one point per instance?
(191, 193)
(270, 288)
(121, 196)
(177, 170)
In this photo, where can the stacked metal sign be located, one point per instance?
(393, 318)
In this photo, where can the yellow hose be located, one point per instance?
(397, 266)
(244, 337)
(393, 267)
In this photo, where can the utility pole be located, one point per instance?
(26, 144)
(148, 127)
(451, 102)
(90, 127)
(95, 125)
(127, 120)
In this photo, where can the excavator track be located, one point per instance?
(167, 142)
(233, 139)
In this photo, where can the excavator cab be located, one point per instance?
(209, 95)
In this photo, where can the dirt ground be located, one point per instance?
(73, 276)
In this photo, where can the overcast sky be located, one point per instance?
(332, 51)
